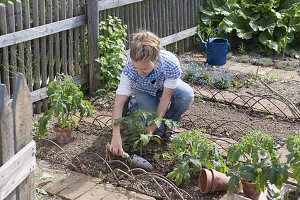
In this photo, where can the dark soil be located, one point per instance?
(86, 151)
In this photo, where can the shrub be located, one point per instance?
(112, 38)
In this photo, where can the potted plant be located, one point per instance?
(194, 155)
(66, 100)
(293, 159)
(255, 162)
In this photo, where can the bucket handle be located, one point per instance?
(226, 37)
(215, 29)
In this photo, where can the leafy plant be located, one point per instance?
(112, 38)
(221, 79)
(137, 123)
(293, 146)
(242, 48)
(191, 151)
(275, 24)
(66, 100)
(254, 159)
(236, 83)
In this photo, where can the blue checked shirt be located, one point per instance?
(168, 68)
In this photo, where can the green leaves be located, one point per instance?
(234, 182)
(112, 38)
(254, 159)
(137, 123)
(293, 146)
(191, 151)
(275, 23)
(65, 100)
(180, 174)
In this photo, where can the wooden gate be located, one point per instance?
(17, 149)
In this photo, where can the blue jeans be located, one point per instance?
(181, 100)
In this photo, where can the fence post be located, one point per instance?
(93, 36)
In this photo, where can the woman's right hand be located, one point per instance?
(116, 146)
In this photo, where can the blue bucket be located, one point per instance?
(216, 50)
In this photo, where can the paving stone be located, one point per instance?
(99, 192)
(77, 189)
(56, 186)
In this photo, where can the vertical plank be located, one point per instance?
(155, 17)
(140, 16)
(43, 53)
(175, 22)
(19, 16)
(132, 19)
(83, 69)
(7, 143)
(70, 40)
(159, 19)
(93, 37)
(147, 13)
(126, 20)
(21, 104)
(57, 40)
(181, 25)
(5, 62)
(36, 53)
(186, 23)
(50, 46)
(193, 23)
(76, 40)
(13, 49)
(151, 16)
(64, 39)
(29, 66)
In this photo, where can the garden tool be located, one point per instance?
(136, 160)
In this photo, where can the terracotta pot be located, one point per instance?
(212, 181)
(250, 190)
(62, 135)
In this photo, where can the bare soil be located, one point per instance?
(88, 146)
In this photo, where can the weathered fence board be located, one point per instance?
(21, 104)
(28, 47)
(53, 37)
(5, 62)
(17, 169)
(17, 149)
(108, 4)
(50, 42)
(13, 48)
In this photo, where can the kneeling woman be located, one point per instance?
(154, 76)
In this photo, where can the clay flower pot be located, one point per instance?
(250, 190)
(212, 181)
(62, 135)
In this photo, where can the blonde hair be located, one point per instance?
(145, 46)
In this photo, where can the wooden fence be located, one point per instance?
(41, 38)
(17, 149)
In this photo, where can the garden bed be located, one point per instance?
(223, 120)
